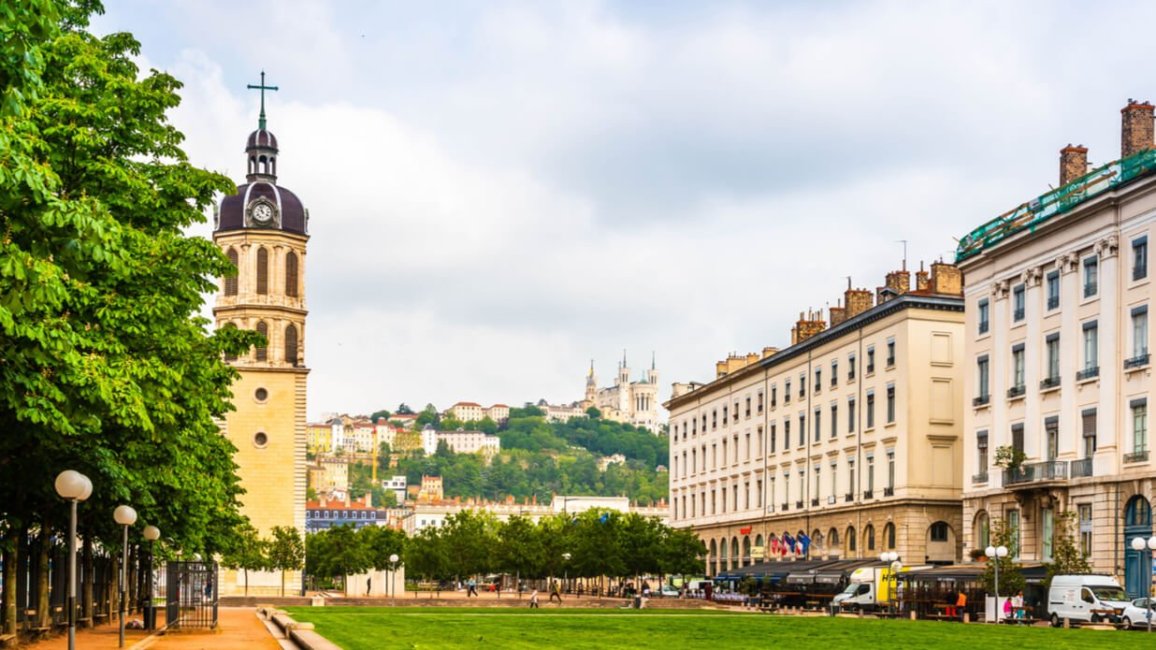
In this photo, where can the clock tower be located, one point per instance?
(263, 229)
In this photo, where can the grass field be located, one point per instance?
(374, 628)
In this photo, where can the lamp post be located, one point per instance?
(152, 534)
(74, 487)
(891, 558)
(125, 516)
(1139, 544)
(392, 577)
(996, 553)
(565, 570)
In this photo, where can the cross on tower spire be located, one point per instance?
(262, 87)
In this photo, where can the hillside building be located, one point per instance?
(626, 401)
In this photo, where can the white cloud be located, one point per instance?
(500, 191)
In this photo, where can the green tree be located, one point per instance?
(378, 415)
(1010, 579)
(470, 538)
(593, 413)
(403, 409)
(380, 543)
(246, 551)
(520, 550)
(427, 555)
(336, 552)
(286, 551)
(681, 552)
(1067, 558)
(429, 415)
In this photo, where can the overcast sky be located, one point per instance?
(502, 191)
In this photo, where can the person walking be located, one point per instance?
(554, 592)
(961, 603)
(472, 588)
(1018, 605)
(534, 600)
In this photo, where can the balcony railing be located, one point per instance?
(979, 478)
(814, 503)
(831, 500)
(888, 491)
(1053, 302)
(868, 494)
(1088, 373)
(785, 507)
(1049, 382)
(1080, 468)
(848, 498)
(1136, 457)
(1048, 470)
(982, 400)
(1018, 315)
(1136, 361)
(1016, 391)
(798, 505)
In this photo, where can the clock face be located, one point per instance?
(263, 213)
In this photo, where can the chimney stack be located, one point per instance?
(809, 325)
(837, 313)
(1073, 163)
(856, 300)
(946, 279)
(1136, 132)
(922, 282)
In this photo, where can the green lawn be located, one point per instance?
(373, 628)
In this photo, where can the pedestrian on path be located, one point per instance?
(534, 600)
(472, 586)
(554, 592)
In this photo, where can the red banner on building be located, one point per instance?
(745, 531)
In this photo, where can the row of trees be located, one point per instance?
(107, 366)
(345, 550)
(282, 551)
(588, 545)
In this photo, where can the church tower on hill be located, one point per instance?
(263, 229)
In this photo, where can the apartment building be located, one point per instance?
(850, 436)
(1057, 339)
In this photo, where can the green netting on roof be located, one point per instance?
(1033, 213)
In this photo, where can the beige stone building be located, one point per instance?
(850, 436)
(1058, 293)
(262, 228)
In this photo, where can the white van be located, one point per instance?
(1090, 598)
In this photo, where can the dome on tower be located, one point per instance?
(262, 138)
(240, 211)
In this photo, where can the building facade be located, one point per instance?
(626, 401)
(262, 229)
(850, 436)
(1057, 340)
(325, 513)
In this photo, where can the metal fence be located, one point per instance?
(191, 595)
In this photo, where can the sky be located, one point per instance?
(502, 192)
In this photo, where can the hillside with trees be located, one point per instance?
(539, 459)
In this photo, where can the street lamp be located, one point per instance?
(996, 553)
(125, 516)
(74, 487)
(152, 534)
(565, 570)
(1139, 544)
(392, 576)
(891, 558)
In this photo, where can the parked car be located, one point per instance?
(668, 591)
(1136, 614)
(1088, 598)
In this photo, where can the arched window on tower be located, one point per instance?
(291, 344)
(291, 274)
(262, 271)
(263, 349)
(231, 280)
(263, 164)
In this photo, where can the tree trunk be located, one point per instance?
(114, 590)
(42, 613)
(246, 581)
(282, 583)
(11, 559)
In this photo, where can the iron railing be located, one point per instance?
(1136, 361)
(1136, 457)
(1080, 468)
(1088, 373)
(979, 478)
(1048, 470)
(1030, 215)
(1016, 391)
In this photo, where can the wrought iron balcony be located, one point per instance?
(848, 498)
(982, 400)
(799, 505)
(1018, 315)
(888, 491)
(814, 503)
(1016, 391)
(1080, 468)
(979, 478)
(1049, 382)
(1088, 373)
(785, 506)
(984, 327)
(1136, 457)
(1048, 470)
(868, 494)
(1053, 302)
(1138, 361)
